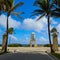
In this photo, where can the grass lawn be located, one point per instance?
(57, 55)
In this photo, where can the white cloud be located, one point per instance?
(51, 27)
(12, 23)
(58, 39)
(0, 41)
(52, 21)
(0, 30)
(13, 37)
(38, 26)
(32, 24)
(26, 39)
(43, 39)
(58, 27)
(28, 23)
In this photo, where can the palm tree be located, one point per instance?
(1, 6)
(5, 5)
(54, 30)
(8, 6)
(46, 8)
(57, 2)
(56, 12)
(11, 31)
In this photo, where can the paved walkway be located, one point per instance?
(26, 56)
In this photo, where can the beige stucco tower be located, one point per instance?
(55, 42)
(33, 39)
(4, 42)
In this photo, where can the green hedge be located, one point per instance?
(14, 45)
(47, 45)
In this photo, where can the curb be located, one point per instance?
(55, 58)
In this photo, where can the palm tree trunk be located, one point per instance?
(49, 33)
(7, 34)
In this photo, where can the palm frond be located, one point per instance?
(10, 3)
(55, 14)
(11, 30)
(57, 9)
(54, 30)
(40, 3)
(19, 4)
(38, 11)
(37, 3)
(41, 16)
(20, 17)
(17, 13)
(35, 14)
(55, 1)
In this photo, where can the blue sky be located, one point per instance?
(24, 28)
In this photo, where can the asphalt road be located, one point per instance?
(25, 56)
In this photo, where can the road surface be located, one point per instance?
(26, 56)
